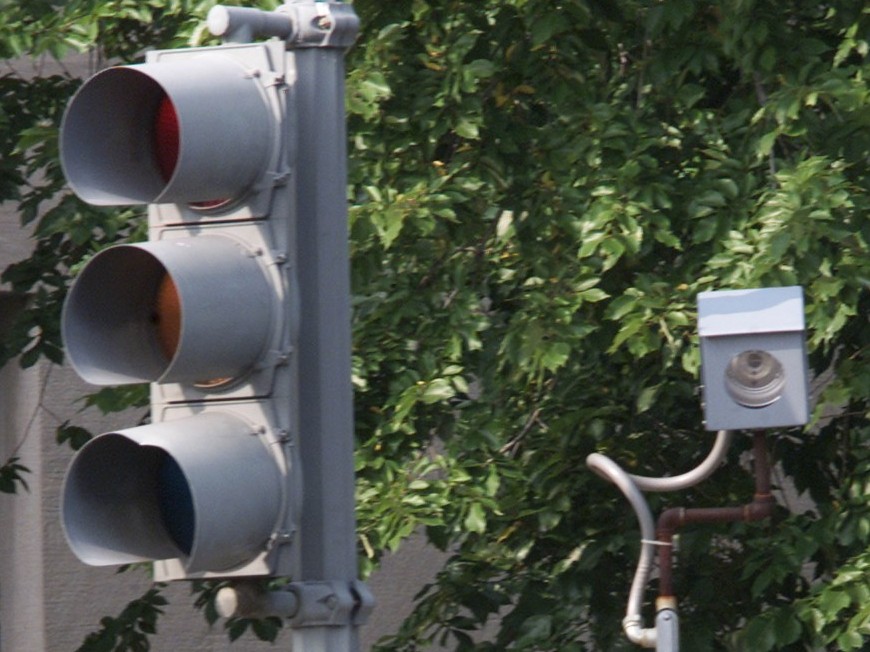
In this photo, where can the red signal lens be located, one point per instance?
(166, 138)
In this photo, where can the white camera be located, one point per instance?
(754, 370)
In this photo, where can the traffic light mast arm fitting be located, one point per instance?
(298, 23)
(306, 604)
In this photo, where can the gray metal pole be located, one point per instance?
(667, 631)
(325, 408)
(323, 274)
(325, 603)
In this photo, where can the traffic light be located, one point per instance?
(236, 310)
(204, 311)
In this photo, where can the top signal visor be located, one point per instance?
(196, 131)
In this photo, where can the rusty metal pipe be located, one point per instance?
(674, 518)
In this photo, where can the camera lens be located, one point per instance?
(754, 378)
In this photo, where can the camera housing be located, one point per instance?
(754, 370)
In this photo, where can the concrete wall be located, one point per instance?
(21, 586)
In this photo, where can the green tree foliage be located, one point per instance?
(130, 630)
(539, 191)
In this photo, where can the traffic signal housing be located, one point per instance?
(203, 311)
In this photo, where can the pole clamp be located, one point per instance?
(300, 23)
(303, 604)
(321, 24)
(326, 604)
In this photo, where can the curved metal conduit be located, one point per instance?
(631, 485)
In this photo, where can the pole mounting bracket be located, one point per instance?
(300, 23)
(304, 604)
(325, 604)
